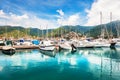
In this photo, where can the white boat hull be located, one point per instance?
(47, 48)
(64, 46)
(8, 50)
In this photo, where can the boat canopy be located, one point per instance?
(46, 43)
(36, 42)
(21, 40)
(9, 42)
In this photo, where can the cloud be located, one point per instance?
(70, 20)
(25, 20)
(104, 6)
(74, 19)
(31, 20)
(2, 14)
(60, 12)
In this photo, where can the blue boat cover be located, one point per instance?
(21, 40)
(36, 42)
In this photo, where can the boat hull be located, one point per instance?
(9, 51)
(64, 47)
(47, 48)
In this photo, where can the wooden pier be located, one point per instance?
(24, 47)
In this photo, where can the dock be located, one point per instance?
(24, 47)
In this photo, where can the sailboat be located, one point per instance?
(117, 40)
(112, 42)
(65, 45)
(102, 42)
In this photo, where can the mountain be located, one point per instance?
(78, 28)
(15, 31)
(108, 30)
(104, 30)
(68, 28)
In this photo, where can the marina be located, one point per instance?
(59, 40)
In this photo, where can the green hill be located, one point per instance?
(68, 28)
(18, 31)
(104, 30)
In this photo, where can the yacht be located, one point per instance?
(66, 45)
(47, 45)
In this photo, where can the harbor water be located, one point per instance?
(83, 64)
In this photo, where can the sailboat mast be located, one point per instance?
(100, 17)
(42, 32)
(6, 30)
(111, 25)
(6, 36)
(18, 33)
(118, 33)
(47, 32)
(51, 34)
(61, 31)
(38, 32)
(29, 32)
(117, 29)
(101, 23)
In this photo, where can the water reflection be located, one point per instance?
(84, 64)
(49, 53)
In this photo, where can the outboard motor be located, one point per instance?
(112, 44)
(73, 47)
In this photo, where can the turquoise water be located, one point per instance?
(84, 64)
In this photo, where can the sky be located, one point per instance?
(54, 13)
